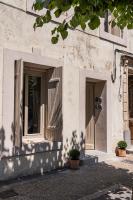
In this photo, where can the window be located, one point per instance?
(38, 102)
(112, 34)
(108, 26)
(33, 103)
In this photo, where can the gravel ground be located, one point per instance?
(75, 184)
(123, 193)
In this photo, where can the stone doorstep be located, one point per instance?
(105, 191)
(130, 151)
(88, 160)
(94, 159)
(101, 156)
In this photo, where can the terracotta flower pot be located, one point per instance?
(121, 152)
(74, 164)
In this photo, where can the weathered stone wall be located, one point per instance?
(79, 51)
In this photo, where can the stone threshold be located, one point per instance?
(130, 150)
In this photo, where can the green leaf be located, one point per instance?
(39, 22)
(94, 22)
(84, 12)
(54, 40)
(74, 22)
(83, 25)
(130, 26)
(47, 17)
(64, 34)
(51, 5)
(58, 13)
(39, 5)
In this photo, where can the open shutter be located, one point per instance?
(18, 103)
(54, 105)
(125, 100)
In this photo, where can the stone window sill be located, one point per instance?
(34, 140)
(33, 145)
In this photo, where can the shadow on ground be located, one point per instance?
(74, 185)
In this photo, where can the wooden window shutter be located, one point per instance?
(18, 103)
(54, 105)
(125, 100)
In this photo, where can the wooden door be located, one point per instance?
(90, 118)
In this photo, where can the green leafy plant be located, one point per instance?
(74, 154)
(122, 145)
(82, 13)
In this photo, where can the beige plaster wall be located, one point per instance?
(78, 52)
(39, 163)
(21, 4)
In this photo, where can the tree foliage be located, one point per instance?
(84, 13)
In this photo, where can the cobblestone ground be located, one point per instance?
(75, 185)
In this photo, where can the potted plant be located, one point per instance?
(74, 158)
(121, 149)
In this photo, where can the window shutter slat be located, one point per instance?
(54, 105)
(18, 103)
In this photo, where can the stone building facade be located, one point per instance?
(52, 97)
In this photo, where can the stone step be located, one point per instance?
(94, 156)
(88, 160)
(130, 151)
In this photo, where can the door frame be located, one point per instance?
(95, 75)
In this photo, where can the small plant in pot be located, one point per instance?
(74, 158)
(121, 149)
